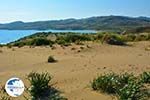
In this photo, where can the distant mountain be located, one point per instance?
(93, 23)
(144, 18)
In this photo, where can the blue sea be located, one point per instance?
(7, 36)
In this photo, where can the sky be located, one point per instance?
(39, 10)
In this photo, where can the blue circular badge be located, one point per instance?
(14, 87)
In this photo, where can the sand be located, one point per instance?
(75, 69)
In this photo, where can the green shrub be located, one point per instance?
(77, 37)
(115, 39)
(9, 46)
(112, 39)
(51, 59)
(125, 86)
(39, 84)
(79, 43)
(40, 42)
(33, 42)
(41, 89)
(72, 38)
(131, 91)
(125, 78)
(1, 45)
(130, 37)
(145, 77)
(19, 44)
(99, 36)
(137, 37)
(106, 83)
(104, 38)
(110, 83)
(63, 42)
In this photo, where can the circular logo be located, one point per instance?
(14, 87)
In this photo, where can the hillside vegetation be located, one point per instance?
(66, 39)
(111, 23)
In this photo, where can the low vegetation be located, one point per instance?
(112, 38)
(145, 77)
(34, 42)
(106, 83)
(66, 39)
(131, 91)
(41, 87)
(1, 45)
(124, 86)
(51, 59)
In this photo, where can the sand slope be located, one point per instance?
(74, 70)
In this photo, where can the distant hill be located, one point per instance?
(115, 23)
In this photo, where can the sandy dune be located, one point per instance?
(75, 69)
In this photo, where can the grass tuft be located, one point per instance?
(51, 59)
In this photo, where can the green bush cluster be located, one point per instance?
(73, 38)
(41, 89)
(125, 86)
(34, 42)
(131, 91)
(118, 39)
(61, 41)
(145, 77)
(106, 83)
(39, 84)
(111, 38)
(1, 45)
(40, 42)
(19, 44)
(142, 37)
(65, 39)
(130, 37)
(137, 37)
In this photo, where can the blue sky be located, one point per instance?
(35, 10)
